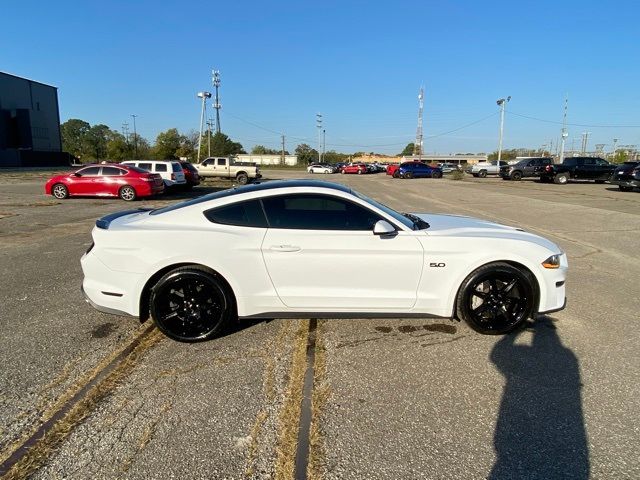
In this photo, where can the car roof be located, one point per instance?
(254, 187)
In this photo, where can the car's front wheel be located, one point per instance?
(496, 298)
(436, 174)
(482, 173)
(127, 193)
(189, 304)
(60, 191)
(516, 176)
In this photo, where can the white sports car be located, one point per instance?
(315, 249)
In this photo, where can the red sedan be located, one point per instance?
(358, 168)
(124, 181)
(391, 169)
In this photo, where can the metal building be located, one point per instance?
(29, 124)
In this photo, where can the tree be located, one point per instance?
(167, 145)
(74, 133)
(408, 150)
(118, 148)
(223, 146)
(306, 154)
(189, 146)
(506, 154)
(95, 141)
(262, 150)
(620, 156)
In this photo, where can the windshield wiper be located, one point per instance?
(418, 223)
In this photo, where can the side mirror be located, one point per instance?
(382, 227)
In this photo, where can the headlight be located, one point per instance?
(552, 262)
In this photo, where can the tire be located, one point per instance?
(127, 193)
(482, 173)
(190, 304)
(408, 175)
(242, 178)
(496, 298)
(625, 189)
(359, 172)
(60, 191)
(396, 174)
(436, 174)
(516, 176)
(561, 179)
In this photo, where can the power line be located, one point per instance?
(571, 124)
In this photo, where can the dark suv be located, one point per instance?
(527, 167)
(623, 176)
(578, 168)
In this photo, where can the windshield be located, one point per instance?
(403, 219)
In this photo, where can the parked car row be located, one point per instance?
(127, 180)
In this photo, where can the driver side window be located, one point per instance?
(317, 212)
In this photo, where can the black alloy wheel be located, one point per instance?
(496, 298)
(60, 191)
(517, 176)
(191, 305)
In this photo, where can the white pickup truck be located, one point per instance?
(225, 167)
(483, 169)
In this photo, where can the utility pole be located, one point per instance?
(564, 133)
(282, 137)
(418, 146)
(209, 125)
(323, 142)
(615, 140)
(216, 105)
(319, 125)
(203, 96)
(585, 140)
(501, 103)
(135, 136)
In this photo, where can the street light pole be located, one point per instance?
(135, 136)
(203, 96)
(502, 103)
(319, 125)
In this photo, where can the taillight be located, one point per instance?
(548, 168)
(173, 176)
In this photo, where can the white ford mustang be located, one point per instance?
(315, 249)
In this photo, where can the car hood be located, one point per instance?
(461, 226)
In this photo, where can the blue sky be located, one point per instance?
(360, 64)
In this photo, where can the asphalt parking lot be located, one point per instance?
(392, 398)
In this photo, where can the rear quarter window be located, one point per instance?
(242, 214)
(160, 167)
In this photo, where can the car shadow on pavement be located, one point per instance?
(540, 432)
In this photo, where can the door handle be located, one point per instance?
(285, 248)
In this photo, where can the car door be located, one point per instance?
(222, 166)
(84, 181)
(111, 180)
(321, 253)
(604, 169)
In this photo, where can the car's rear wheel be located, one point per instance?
(127, 193)
(396, 174)
(625, 189)
(242, 178)
(517, 176)
(482, 173)
(60, 191)
(496, 298)
(561, 178)
(189, 304)
(436, 174)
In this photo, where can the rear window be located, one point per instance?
(243, 214)
(176, 167)
(137, 169)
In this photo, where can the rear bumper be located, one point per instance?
(101, 308)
